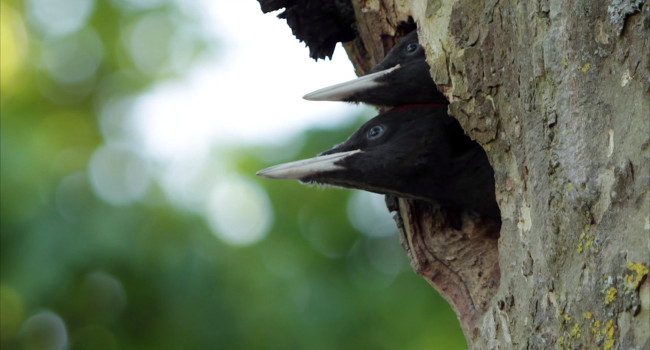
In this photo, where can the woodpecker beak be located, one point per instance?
(343, 91)
(306, 167)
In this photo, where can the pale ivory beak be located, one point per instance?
(340, 92)
(302, 168)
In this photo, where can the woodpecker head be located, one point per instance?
(417, 152)
(402, 77)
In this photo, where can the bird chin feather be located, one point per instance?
(320, 185)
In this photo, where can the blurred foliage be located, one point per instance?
(80, 273)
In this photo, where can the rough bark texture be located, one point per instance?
(558, 93)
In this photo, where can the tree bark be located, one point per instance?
(558, 94)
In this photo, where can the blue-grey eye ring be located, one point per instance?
(412, 48)
(375, 132)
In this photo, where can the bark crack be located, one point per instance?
(461, 264)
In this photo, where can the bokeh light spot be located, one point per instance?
(13, 46)
(140, 4)
(44, 331)
(176, 130)
(362, 273)
(239, 211)
(115, 118)
(103, 297)
(367, 213)
(386, 255)
(73, 196)
(318, 232)
(118, 175)
(74, 58)
(184, 181)
(149, 42)
(59, 17)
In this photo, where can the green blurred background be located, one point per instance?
(98, 253)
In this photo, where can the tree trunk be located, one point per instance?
(558, 93)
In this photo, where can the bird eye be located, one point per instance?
(412, 48)
(375, 132)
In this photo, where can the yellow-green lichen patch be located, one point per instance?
(632, 280)
(571, 333)
(604, 335)
(610, 295)
(575, 331)
(590, 242)
(586, 240)
(595, 329)
(608, 330)
(585, 68)
(565, 316)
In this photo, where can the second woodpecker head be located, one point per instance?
(401, 78)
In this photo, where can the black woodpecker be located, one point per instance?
(417, 152)
(401, 78)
